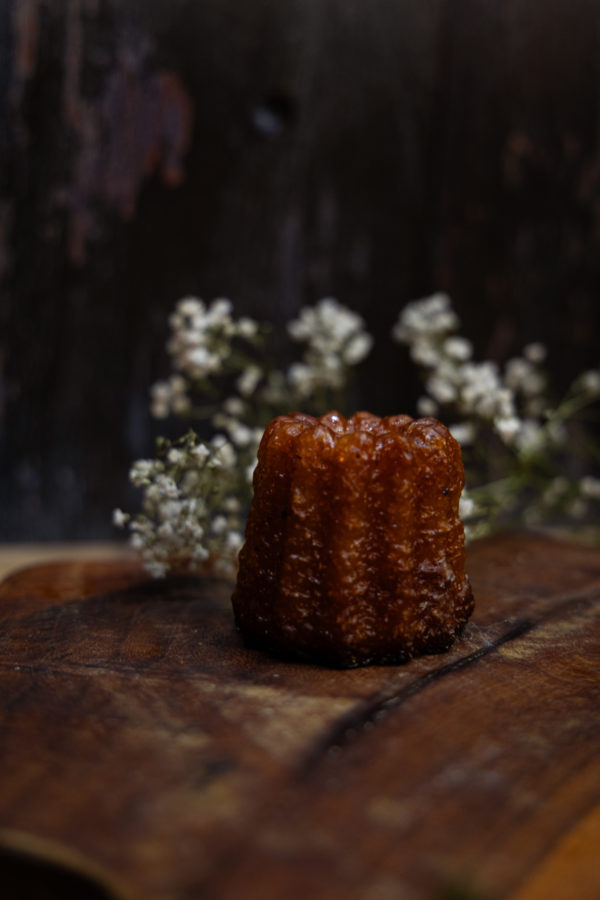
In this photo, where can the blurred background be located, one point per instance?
(275, 152)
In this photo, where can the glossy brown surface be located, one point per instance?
(354, 550)
(143, 747)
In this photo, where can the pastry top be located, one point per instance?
(367, 438)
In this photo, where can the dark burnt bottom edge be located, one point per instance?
(345, 658)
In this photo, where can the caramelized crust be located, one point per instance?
(354, 550)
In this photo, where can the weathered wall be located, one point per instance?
(275, 152)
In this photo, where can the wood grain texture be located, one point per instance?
(275, 152)
(145, 748)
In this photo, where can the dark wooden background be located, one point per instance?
(275, 152)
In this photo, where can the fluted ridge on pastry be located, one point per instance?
(354, 549)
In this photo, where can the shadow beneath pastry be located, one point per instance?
(343, 656)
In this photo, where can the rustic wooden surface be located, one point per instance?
(19, 556)
(275, 152)
(145, 751)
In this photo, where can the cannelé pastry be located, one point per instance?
(354, 550)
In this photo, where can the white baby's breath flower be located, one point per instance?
(240, 434)
(247, 328)
(160, 402)
(463, 432)
(224, 454)
(219, 525)
(180, 404)
(530, 437)
(535, 353)
(219, 310)
(201, 452)
(466, 507)
(137, 541)
(248, 380)
(191, 529)
(156, 568)
(169, 509)
(142, 470)
(440, 389)
(332, 368)
(301, 378)
(480, 388)
(335, 339)
(167, 487)
(426, 317)
(169, 396)
(357, 348)
(426, 406)
(505, 403)
(458, 348)
(227, 456)
(178, 384)
(199, 553)
(120, 518)
(166, 529)
(425, 353)
(180, 401)
(141, 525)
(298, 329)
(508, 428)
(234, 541)
(590, 382)
(337, 319)
(590, 487)
(190, 306)
(234, 406)
(437, 304)
(200, 361)
(520, 374)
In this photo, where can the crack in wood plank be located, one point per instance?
(373, 710)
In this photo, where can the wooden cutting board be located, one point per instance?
(145, 753)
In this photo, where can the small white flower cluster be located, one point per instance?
(590, 487)
(244, 441)
(242, 436)
(500, 412)
(170, 396)
(336, 340)
(512, 403)
(201, 336)
(196, 494)
(191, 509)
(205, 341)
(589, 382)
